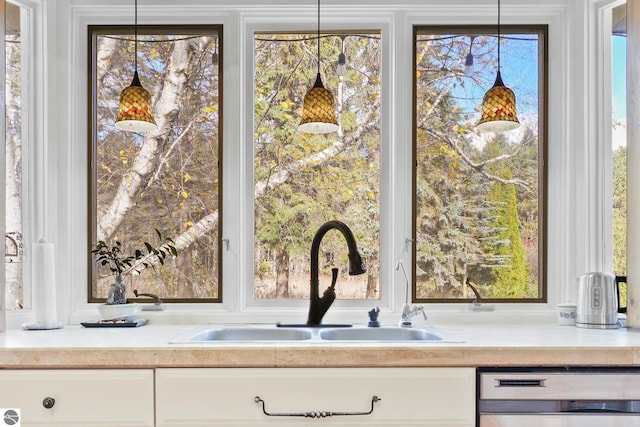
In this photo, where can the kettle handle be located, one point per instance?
(619, 279)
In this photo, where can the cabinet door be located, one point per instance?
(86, 398)
(408, 396)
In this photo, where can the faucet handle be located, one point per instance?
(157, 302)
(373, 317)
(409, 311)
(330, 293)
(156, 298)
(334, 277)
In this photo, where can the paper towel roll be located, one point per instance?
(44, 286)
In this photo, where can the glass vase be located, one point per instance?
(116, 294)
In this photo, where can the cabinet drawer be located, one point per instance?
(80, 397)
(408, 396)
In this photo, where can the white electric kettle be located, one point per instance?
(598, 302)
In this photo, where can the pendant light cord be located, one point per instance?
(498, 36)
(318, 36)
(135, 35)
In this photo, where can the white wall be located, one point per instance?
(574, 206)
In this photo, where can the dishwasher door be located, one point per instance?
(560, 397)
(559, 420)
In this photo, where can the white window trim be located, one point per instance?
(33, 149)
(3, 180)
(603, 111)
(298, 21)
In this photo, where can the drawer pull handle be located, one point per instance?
(315, 414)
(48, 402)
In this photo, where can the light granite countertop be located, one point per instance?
(466, 345)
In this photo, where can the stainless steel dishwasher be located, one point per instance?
(559, 397)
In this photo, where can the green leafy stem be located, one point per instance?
(150, 256)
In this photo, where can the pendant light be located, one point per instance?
(499, 103)
(318, 113)
(134, 112)
(341, 69)
(468, 60)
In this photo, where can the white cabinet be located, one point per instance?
(226, 396)
(82, 397)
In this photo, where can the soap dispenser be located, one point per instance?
(373, 317)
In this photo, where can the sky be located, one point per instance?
(619, 76)
(619, 88)
(519, 72)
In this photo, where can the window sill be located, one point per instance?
(437, 314)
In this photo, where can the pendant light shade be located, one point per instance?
(134, 111)
(499, 103)
(498, 109)
(318, 114)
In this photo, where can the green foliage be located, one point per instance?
(505, 264)
(111, 256)
(511, 275)
(620, 211)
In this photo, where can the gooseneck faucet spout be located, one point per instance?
(318, 306)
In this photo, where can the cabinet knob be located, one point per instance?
(48, 402)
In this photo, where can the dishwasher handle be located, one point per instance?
(520, 382)
(602, 406)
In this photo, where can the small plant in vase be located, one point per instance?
(111, 256)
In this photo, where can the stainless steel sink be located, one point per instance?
(245, 333)
(388, 333)
(272, 333)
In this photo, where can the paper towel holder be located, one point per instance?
(44, 287)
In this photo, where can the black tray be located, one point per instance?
(115, 323)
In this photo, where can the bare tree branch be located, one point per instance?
(184, 240)
(166, 155)
(480, 167)
(319, 158)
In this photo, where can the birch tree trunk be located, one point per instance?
(146, 162)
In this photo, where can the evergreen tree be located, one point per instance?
(511, 274)
(510, 270)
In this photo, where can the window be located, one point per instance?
(479, 199)
(168, 179)
(619, 138)
(617, 165)
(303, 180)
(17, 148)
